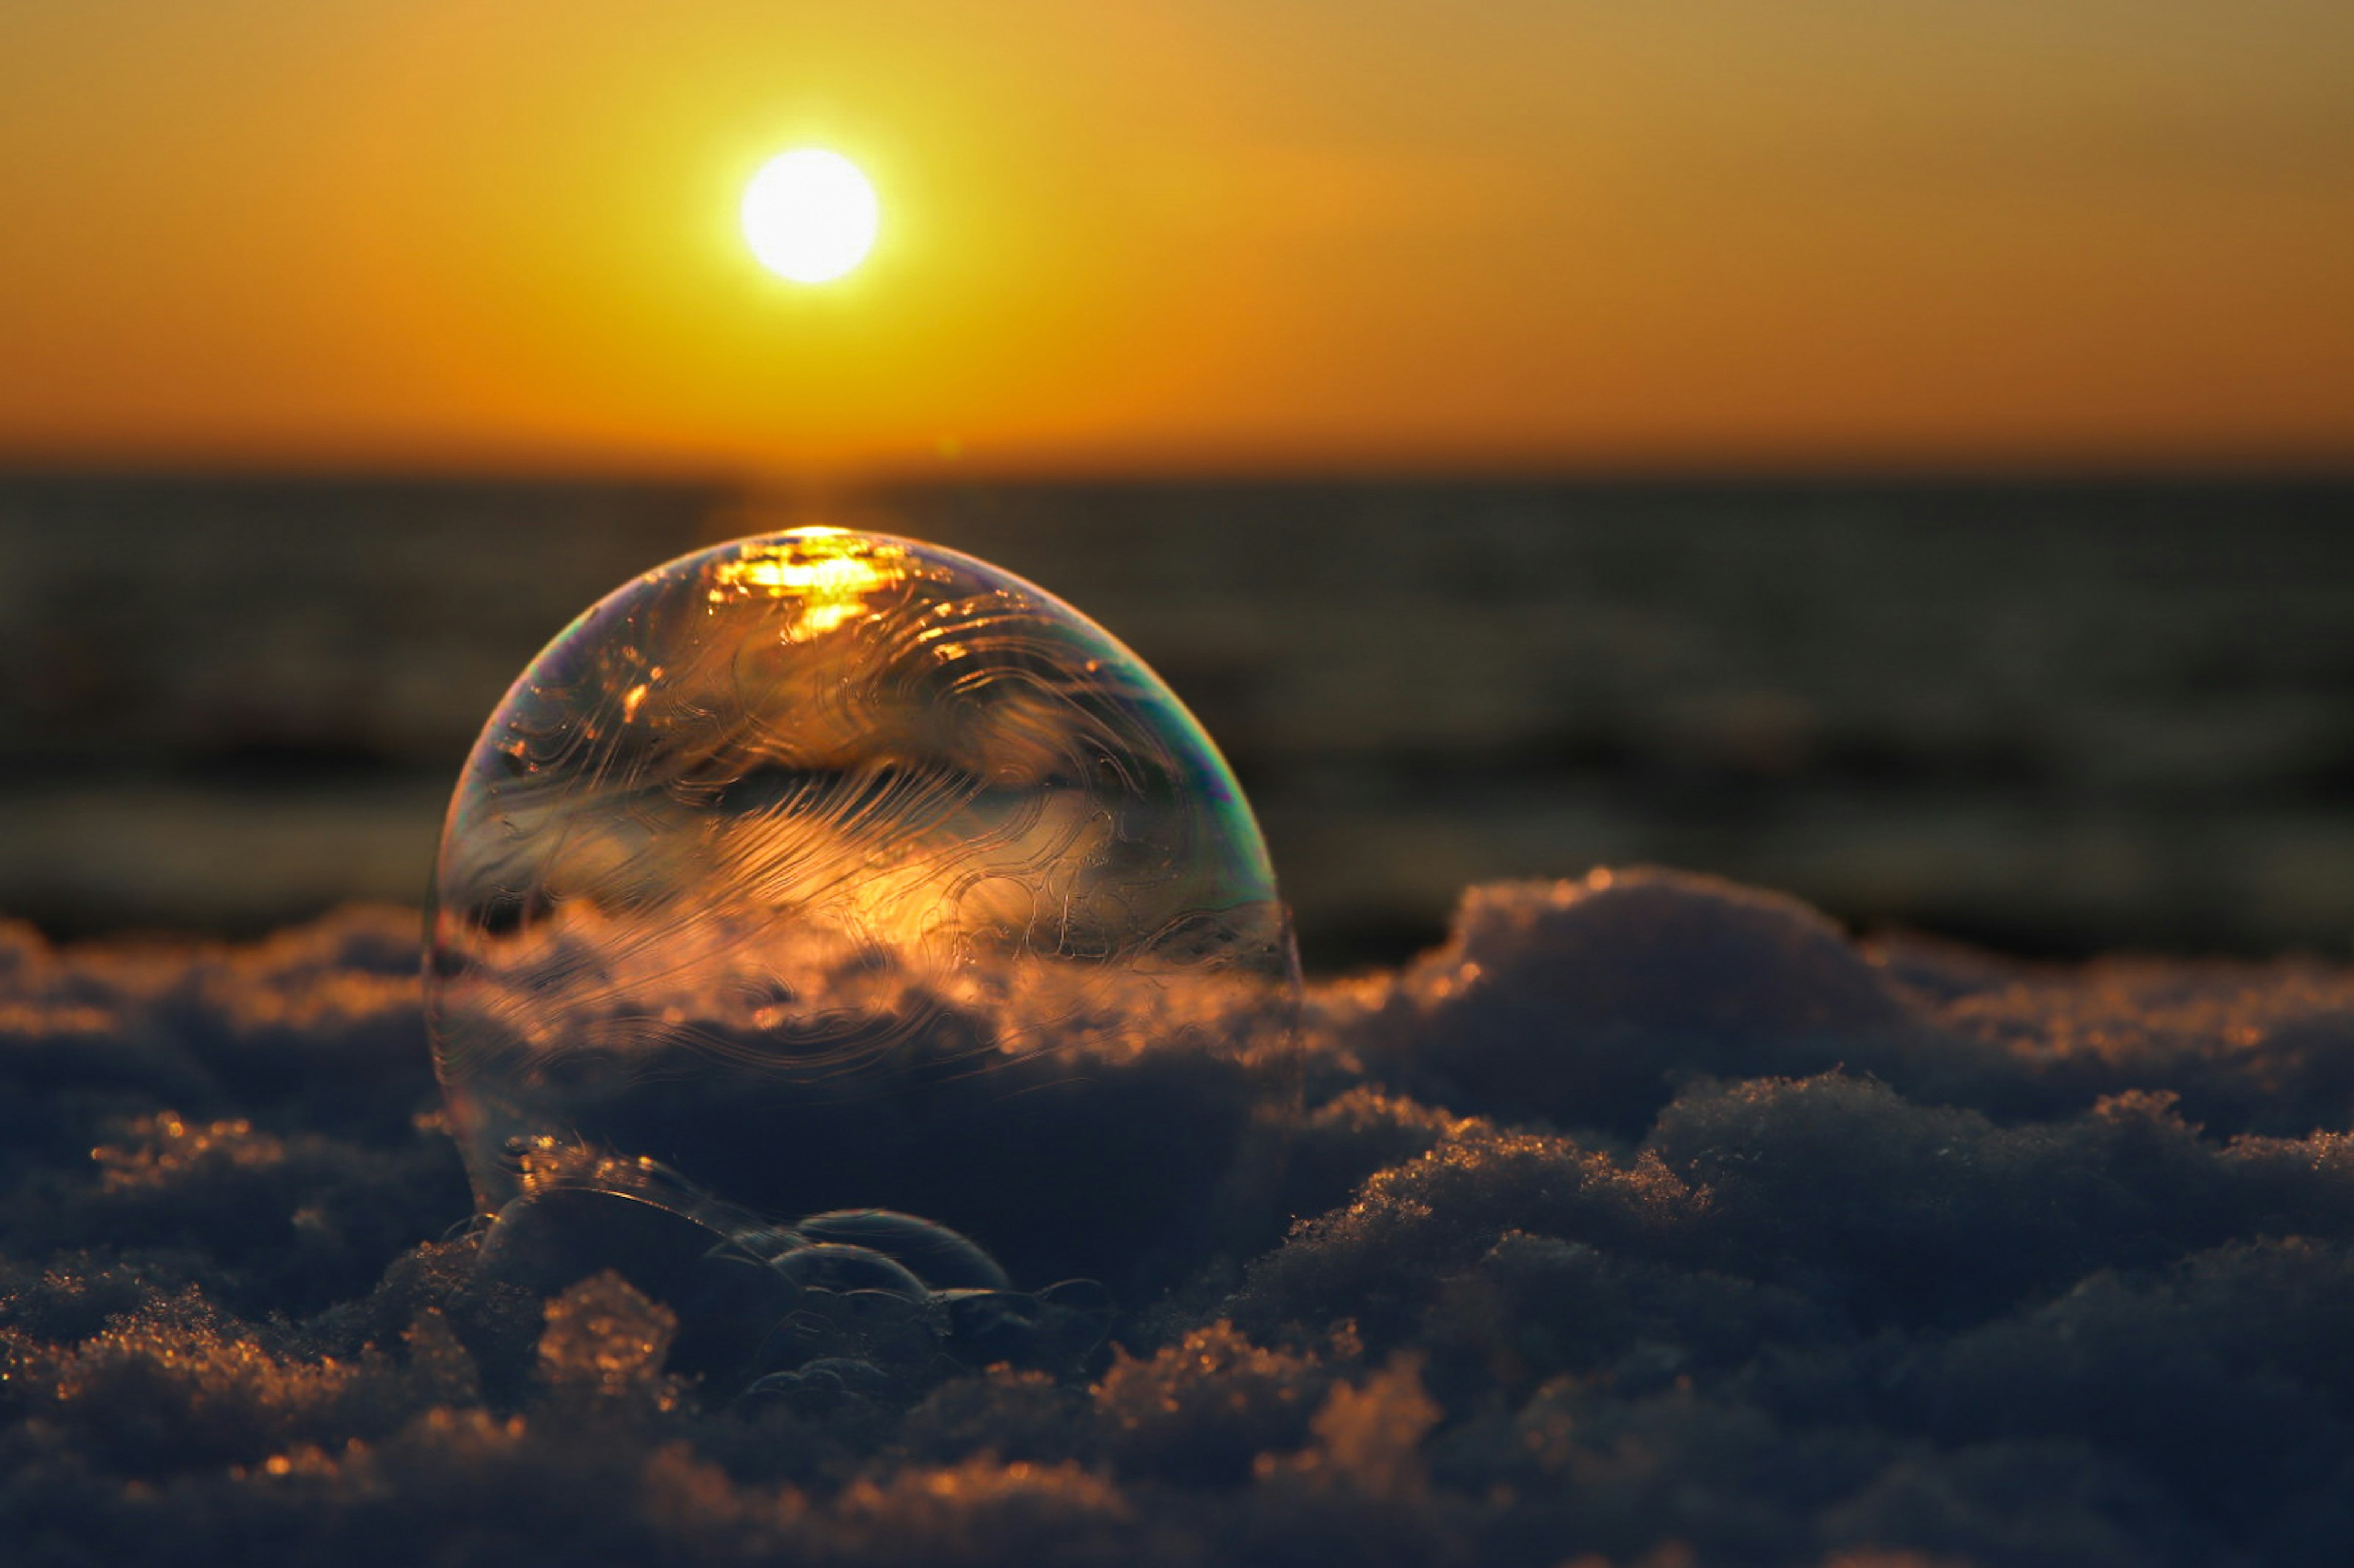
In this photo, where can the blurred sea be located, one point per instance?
(2054, 717)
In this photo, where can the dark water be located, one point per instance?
(2056, 717)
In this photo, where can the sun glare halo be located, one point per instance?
(809, 215)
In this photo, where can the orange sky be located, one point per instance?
(1197, 234)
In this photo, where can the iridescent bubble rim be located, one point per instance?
(830, 807)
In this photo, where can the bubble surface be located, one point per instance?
(839, 873)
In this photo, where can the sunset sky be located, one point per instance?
(1186, 235)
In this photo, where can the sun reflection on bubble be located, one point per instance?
(828, 578)
(826, 872)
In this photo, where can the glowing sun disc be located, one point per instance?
(809, 215)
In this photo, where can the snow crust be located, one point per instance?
(1648, 1220)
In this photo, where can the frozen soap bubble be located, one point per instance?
(826, 874)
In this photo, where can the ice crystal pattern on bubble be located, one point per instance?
(833, 871)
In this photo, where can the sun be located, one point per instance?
(809, 216)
